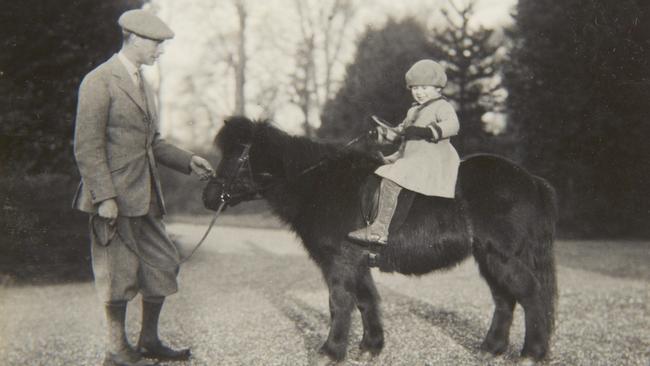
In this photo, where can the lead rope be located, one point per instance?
(223, 199)
(133, 248)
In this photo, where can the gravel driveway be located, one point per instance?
(252, 297)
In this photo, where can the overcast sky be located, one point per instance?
(194, 20)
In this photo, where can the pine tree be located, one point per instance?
(374, 82)
(471, 61)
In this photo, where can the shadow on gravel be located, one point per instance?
(466, 332)
(310, 322)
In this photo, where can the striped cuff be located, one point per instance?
(436, 131)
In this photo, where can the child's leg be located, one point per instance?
(377, 232)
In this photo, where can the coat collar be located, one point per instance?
(126, 83)
(427, 103)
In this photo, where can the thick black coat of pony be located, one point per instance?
(503, 216)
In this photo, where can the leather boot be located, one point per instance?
(149, 345)
(377, 232)
(119, 351)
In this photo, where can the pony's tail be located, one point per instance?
(545, 258)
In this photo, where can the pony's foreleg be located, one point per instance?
(340, 282)
(368, 304)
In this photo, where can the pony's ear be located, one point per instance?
(236, 131)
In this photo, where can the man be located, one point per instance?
(117, 148)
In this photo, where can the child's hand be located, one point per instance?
(392, 134)
(383, 134)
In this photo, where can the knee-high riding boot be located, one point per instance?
(377, 232)
(149, 344)
(119, 351)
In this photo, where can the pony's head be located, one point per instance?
(236, 178)
(258, 159)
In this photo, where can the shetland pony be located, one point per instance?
(502, 215)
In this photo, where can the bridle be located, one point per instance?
(243, 162)
(243, 165)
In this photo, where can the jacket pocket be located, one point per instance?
(118, 163)
(119, 169)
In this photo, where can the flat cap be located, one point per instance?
(145, 24)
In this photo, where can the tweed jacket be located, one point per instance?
(429, 168)
(117, 145)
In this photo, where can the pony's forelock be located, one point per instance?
(237, 130)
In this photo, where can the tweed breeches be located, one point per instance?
(141, 258)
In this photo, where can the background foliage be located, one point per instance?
(47, 47)
(577, 81)
(374, 81)
(579, 89)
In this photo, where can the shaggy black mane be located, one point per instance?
(297, 153)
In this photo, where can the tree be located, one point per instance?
(578, 88)
(374, 81)
(323, 27)
(224, 44)
(47, 48)
(472, 64)
(240, 63)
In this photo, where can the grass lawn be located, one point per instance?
(613, 257)
(618, 258)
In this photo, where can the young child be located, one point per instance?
(426, 162)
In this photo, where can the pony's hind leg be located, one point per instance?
(518, 280)
(496, 340)
(368, 304)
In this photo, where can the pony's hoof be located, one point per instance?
(373, 345)
(324, 360)
(332, 355)
(485, 357)
(367, 356)
(527, 362)
(535, 353)
(494, 347)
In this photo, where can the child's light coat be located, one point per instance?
(429, 168)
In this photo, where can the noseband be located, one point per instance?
(227, 185)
